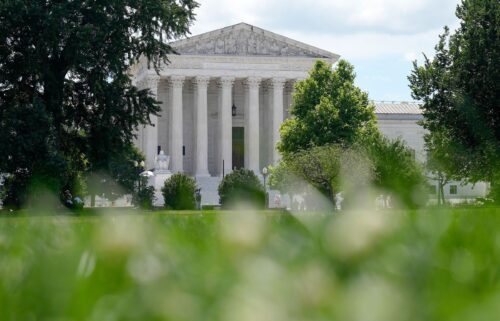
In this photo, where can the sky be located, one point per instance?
(380, 38)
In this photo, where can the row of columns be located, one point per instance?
(252, 126)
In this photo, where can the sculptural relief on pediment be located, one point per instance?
(242, 42)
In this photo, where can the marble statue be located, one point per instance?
(162, 162)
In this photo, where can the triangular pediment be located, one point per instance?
(247, 40)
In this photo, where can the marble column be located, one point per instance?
(288, 94)
(201, 123)
(252, 147)
(277, 85)
(176, 124)
(226, 125)
(150, 132)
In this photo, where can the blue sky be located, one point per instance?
(380, 37)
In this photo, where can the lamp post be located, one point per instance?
(139, 167)
(264, 174)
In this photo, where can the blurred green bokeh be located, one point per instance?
(237, 266)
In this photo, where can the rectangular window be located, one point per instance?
(453, 189)
(158, 150)
(183, 150)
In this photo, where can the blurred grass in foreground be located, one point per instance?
(428, 265)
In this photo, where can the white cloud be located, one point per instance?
(354, 29)
(375, 34)
(411, 56)
(372, 45)
(332, 16)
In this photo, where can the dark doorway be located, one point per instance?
(238, 147)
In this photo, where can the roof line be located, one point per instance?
(396, 102)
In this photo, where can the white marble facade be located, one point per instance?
(401, 120)
(242, 66)
(253, 71)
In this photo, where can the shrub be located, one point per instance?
(242, 187)
(144, 198)
(179, 192)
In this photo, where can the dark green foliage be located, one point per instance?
(460, 90)
(28, 151)
(327, 109)
(120, 177)
(444, 159)
(145, 197)
(179, 192)
(397, 171)
(241, 188)
(14, 191)
(67, 104)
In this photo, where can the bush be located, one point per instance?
(242, 187)
(144, 197)
(179, 192)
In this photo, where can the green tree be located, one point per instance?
(179, 192)
(396, 171)
(121, 176)
(330, 169)
(327, 109)
(382, 164)
(320, 167)
(67, 103)
(442, 162)
(282, 179)
(460, 91)
(332, 142)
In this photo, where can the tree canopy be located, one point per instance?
(67, 103)
(381, 165)
(397, 171)
(328, 109)
(459, 88)
(330, 169)
(332, 142)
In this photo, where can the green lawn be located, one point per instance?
(124, 265)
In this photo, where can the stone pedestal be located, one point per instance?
(161, 175)
(157, 182)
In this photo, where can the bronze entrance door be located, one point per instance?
(238, 147)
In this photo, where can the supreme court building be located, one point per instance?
(224, 97)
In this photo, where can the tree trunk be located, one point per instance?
(332, 198)
(441, 192)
